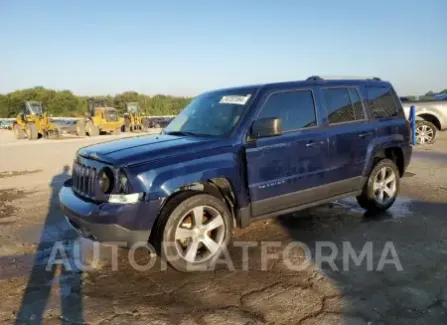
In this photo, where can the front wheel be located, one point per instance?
(91, 129)
(80, 128)
(425, 132)
(18, 132)
(31, 131)
(382, 187)
(197, 230)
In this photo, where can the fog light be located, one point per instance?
(125, 198)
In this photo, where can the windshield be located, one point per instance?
(35, 108)
(132, 108)
(213, 114)
(111, 115)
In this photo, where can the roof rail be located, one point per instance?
(317, 78)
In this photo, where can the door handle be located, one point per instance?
(314, 143)
(364, 135)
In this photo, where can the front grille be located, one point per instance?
(84, 180)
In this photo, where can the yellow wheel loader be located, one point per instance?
(33, 123)
(100, 118)
(134, 120)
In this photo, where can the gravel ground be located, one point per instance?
(40, 160)
(31, 222)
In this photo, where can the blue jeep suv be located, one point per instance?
(237, 155)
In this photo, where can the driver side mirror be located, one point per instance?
(266, 127)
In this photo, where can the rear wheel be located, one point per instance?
(197, 228)
(382, 187)
(18, 132)
(127, 125)
(31, 131)
(91, 129)
(425, 132)
(53, 134)
(145, 125)
(80, 128)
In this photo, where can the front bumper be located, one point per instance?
(121, 224)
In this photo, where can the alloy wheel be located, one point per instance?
(385, 185)
(424, 134)
(200, 234)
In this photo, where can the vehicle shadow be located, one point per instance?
(54, 262)
(399, 277)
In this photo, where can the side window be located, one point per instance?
(295, 108)
(359, 113)
(339, 106)
(381, 101)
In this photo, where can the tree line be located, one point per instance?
(65, 103)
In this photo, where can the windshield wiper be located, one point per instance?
(186, 133)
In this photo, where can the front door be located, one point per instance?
(284, 171)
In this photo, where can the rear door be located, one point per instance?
(284, 171)
(349, 133)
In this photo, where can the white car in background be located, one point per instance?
(431, 117)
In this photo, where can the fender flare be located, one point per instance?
(378, 145)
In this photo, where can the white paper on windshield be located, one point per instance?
(235, 99)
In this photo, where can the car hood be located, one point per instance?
(142, 149)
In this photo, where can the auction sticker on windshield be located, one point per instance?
(235, 99)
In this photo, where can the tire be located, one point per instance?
(80, 128)
(117, 131)
(145, 125)
(91, 129)
(377, 186)
(31, 131)
(19, 133)
(157, 125)
(425, 132)
(178, 212)
(53, 134)
(126, 126)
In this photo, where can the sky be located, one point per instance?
(187, 47)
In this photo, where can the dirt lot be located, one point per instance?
(31, 222)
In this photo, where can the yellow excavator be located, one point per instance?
(134, 120)
(33, 123)
(100, 118)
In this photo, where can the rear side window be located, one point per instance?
(357, 104)
(296, 109)
(381, 101)
(343, 105)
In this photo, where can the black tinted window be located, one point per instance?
(338, 105)
(295, 108)
(359, 113)
(381, 102)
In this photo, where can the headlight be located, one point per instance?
(106, 180)
(124, 185)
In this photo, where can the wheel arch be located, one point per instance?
(431, 117)
(219, 187)
(386, 147)
(393, 153)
